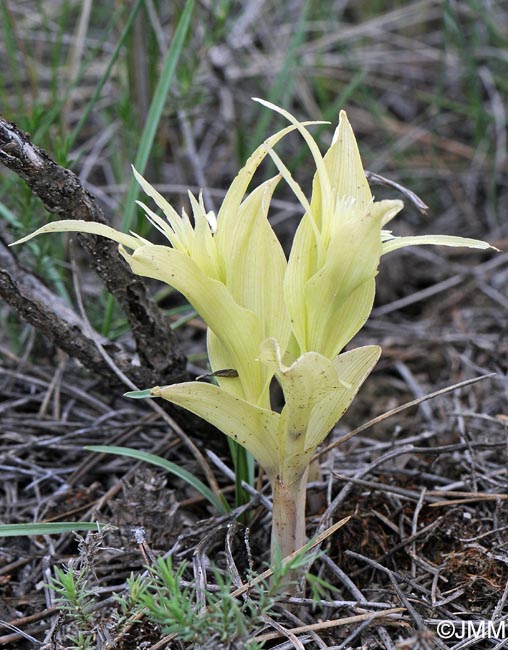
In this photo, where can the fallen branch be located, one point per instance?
(47, 312)
(61, 192)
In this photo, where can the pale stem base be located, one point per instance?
(288, 531)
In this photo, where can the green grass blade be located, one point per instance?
(105, 76)
(243, 463)
(54, 528)
(9, 216)
(149, 131)
(156, 109)
(170, 467)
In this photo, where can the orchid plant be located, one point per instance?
(271, 318)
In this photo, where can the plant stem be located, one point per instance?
(288, 531)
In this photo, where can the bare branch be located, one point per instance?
(46, 311)
(61, 192)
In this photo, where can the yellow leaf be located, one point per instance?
(256, 264)
(394, 243)
(344, 167)
(252, 427)
(351, 261)
(90, 227)
(301, 266)
(238, 328)
(352, 368)
(304, 383)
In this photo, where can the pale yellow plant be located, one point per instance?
(269, 317)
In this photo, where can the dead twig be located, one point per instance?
(398, 409)
(61, 192)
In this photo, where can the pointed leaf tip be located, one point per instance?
(139, 394)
